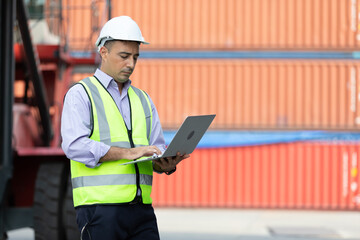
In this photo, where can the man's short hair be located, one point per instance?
(108, 44)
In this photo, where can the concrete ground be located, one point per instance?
(235, 224)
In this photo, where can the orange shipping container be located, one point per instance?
(283, 94)
(225, 24)
(82, 21)
(265, 94)
(295, 175)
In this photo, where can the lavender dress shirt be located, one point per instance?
(76, 128)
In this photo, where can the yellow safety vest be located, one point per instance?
(111, 183)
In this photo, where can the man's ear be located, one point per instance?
(103, 52)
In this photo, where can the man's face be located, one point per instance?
(120, 59)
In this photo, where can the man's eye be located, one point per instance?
(123, 56)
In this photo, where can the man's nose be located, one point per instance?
(131, 63)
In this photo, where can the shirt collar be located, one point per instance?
(106, 79)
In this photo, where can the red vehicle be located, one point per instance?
(35, 188)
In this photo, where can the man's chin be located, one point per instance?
(123, 80)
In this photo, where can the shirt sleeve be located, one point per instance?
(157, 135)
(76, 129)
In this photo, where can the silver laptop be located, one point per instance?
(186, 138)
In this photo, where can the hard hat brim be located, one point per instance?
(98, 42)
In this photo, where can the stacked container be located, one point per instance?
(259, 65)
(316, 175)
(227, 25)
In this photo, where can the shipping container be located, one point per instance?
(224, 24)
(260, 94)
(81, 22)
(297, 175)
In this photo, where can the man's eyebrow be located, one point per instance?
(127, 53)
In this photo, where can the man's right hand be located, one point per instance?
(116, 153)
(144, 151)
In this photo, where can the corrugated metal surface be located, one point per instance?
(254, 94)
(82, 22)
(244, 24)
(223, 24)
(280, 94)
(295, 175)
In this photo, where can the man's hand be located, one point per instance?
(168, 164)
(144, 151)
(116, 153)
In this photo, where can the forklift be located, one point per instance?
(35, 186)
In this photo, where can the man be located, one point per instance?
(105, 122)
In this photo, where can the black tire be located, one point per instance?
(71, 227)
(3, 237)
(50, 189)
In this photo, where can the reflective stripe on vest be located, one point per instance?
(115, 179)
(110, 182)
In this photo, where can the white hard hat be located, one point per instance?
(120, 28)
